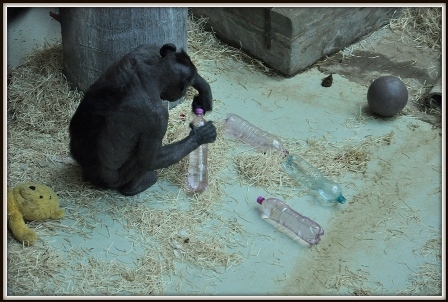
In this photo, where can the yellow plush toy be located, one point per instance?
(31, 201)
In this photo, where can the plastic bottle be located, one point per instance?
(248, 133)
(197, 179)
(282, 214)
(296, 166)
(309, 176)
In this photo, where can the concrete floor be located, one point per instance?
(30, 30)
(392, 210)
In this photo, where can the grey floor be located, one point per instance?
(392, 210)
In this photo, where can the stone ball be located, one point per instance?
(387, 96)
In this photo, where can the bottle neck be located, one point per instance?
(199, 112)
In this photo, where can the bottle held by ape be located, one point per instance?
(309, 176)
(282, 214)
(250, 134)
(197, 179)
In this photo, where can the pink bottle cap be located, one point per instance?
(199, 110)
(260, 199)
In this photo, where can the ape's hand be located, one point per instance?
(204, 99)
(201, 101)
(205, 134)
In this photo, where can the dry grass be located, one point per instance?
(40, 106)
(426, 279)
(424, 27)
(212, 49)
(332, 159)
(186, 228)
(423, 24)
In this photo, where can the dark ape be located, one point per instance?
(116, 133)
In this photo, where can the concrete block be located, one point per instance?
(291, 39)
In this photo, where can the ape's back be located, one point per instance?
(102, 99)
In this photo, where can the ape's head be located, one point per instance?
(179, 73)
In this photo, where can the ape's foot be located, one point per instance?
(134, 187)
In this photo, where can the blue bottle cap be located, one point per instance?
(341, 199)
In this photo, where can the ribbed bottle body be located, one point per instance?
(198, 170)
(251, 134)
(309, 176)
(197, 178)
(281, 213)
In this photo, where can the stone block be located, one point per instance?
(291, 39)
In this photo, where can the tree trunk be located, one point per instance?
(94, 38)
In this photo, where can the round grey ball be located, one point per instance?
(387, 96)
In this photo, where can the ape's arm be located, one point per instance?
(204, 99)
(173, 153)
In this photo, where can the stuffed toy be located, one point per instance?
(31, 201)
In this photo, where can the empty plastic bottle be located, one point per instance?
(309, 176)
(197, 179)
(248, 133)
(282, 214)
(296, 166)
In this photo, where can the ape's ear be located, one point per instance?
(167, 48)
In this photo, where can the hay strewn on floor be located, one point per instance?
(333, 160)
(424, 24)
(426, 279)
(40, 105)
(207, 47)
(424, 27)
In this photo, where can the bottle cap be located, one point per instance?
(199, 110)
(341, 199)
(260, 199)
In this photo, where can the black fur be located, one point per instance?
(116, 132)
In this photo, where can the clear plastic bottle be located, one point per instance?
(248, 133)
(282, 214)
(197, 179)
(296, 166)
(309, 176)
